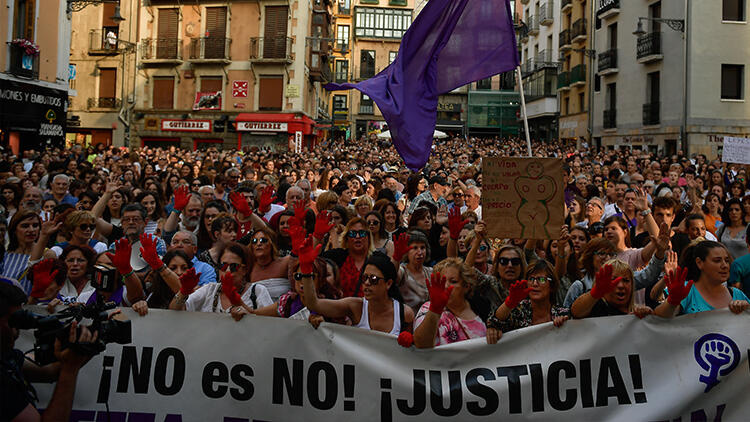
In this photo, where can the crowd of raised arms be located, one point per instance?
(346, 234)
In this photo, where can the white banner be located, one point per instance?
(736, 150)
(186, 366)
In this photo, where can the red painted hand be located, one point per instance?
(121, 257)
(230, 291)
(518, 291)
(181, 198)
(678, 290)
(43, 277)
(604, 283)
(188, 281)
(439, 294)
(455, 224)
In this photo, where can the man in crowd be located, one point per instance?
(59, 191)
(472, 197)
(187, 242)
(434, 195)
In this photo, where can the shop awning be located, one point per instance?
(293, 122)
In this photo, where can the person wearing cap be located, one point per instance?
(434, 195)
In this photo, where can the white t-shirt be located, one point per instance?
(202, 300)
(98, 247)
(69, 294)
(275, 209)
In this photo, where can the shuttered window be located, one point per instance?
(107, 83)
(166, 47)
(271, 93)
(163, 93)
(216, 32)
(108, 10)
(211, 84)
(274, 34)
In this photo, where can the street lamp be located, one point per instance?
(675, 24)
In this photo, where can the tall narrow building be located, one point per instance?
(577, 59)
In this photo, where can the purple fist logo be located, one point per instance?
(717, 354)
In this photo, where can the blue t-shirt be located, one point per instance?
(695, 303)
(739, 272)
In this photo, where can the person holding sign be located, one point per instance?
(535, 190)
(530, 302)
(448, 317)
(708, 264)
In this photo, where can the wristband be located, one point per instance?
(176, 211)
(646, 212)
(308, 275)
(163, 266)
(128, 274)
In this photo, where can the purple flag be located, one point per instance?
(450, 44)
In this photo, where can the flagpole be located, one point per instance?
(523, 110)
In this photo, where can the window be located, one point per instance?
(582, 102)
(23, 21)
(366, 105)
(342, 71)
(381, 23)
(342, 37)
(612, 30)
(167, 29)
(211, 84)
(392, 56)
(611, 99)
(367, 64)
(733, 10)
(654, 12)
(566, 104)
(344, 6)
(484, 83)
(107, 88)
(731, 81)
(653, 88)
(163, 93)
(271, 93)
(216, 32)
(597, 83)
(339, 102)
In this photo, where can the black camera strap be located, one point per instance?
(11, 367)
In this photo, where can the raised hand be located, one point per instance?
(266, 198)
(121, 257)
(439, 294)
(604, 283)
(641, 202)
(240, 204)
(148, 251)
(50, 226)
(455, 224)
(230, 291)
(678, 290)
(518, 291)
(300, 211)
(43, 277)
(442, 215)
(188, 281)
(307, 255)
(662, 240)
(322, 224)
(297, 234)
(670, 261)
(181, 197)
(401, 247)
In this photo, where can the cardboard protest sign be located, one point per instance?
(522, 198)
(736, 150)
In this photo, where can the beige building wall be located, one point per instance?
(574, 98)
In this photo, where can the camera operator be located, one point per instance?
(16, 394)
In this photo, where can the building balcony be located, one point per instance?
(100, 44)
(23, 65)
(649, 48)
(271, 50)
(104, 103)
(566, 5)
(527, 67)
(565, 40)
(523, 33)
(608, 62)
(578, 75)
(321, 73)
(546, 16)
(578, 30)
(533, 23)
(209, 50)
(161, 51)
(608, 8)
(651, 114)
(366, 109)
(341, 77)
(363, 73)
(341, 47)
(563, 81)
(610, 119)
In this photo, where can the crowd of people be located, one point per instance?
(346, 234)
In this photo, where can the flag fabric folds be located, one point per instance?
(450, 44)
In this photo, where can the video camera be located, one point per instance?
(57, 326)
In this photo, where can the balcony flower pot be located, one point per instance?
(29, 48)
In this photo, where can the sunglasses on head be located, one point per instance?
(512, 261)
(300, 276)
(233, 267)
(86, 227)
(353, 234)
(261, 240)
(371, 279)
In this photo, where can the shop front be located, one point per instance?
(31, 116)
(275, 132)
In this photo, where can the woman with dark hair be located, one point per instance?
(350, 257)
(236, 265)
(612, 294)
(269, 269)
(413, 275)
(97, 184)
(161, 286)
(379, 309)
(79, 262)
(380, 239)
(392, 218)
(447, 317)
(712, 212)
(708, 264)
(732, 232)
(736, 190)
(617, 231)
(154, 211)
(425, 220)
(11, 198)
(23, 235)
(223, 231)
(210, 211)
(530, 302)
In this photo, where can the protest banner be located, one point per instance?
(522, 198)
(736, 150)
(185, 366)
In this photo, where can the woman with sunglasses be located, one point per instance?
(78, 228)
(447, 317)
(530, 302)
(356, 247)
(595, 254)
(380, 239)
(380, 308)
(235, 265)
(269, 269)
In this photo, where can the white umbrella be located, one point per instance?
(387, 134)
